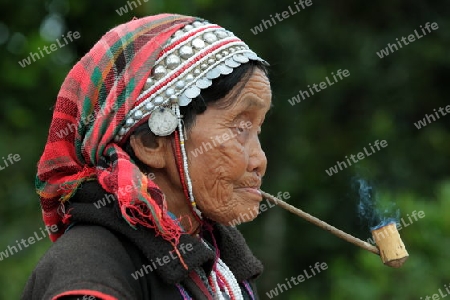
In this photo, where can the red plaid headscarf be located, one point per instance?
(90, 108)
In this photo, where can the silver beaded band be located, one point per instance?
(191, 59)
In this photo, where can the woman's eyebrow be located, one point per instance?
(255, 102)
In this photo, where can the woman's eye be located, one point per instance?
(240, 129)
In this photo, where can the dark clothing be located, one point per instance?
(103, 256)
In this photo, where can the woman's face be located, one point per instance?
(226, 162)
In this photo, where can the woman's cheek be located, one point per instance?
(220, 166)
(234, 158)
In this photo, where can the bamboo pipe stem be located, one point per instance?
(337, 232)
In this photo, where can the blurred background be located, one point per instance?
(380, 100)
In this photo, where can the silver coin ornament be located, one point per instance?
(163, 121)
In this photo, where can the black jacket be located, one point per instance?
(99, 254)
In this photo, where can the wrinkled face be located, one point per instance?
(226, 162)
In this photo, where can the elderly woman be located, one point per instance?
(152, 152)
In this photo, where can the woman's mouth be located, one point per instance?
(251, 190)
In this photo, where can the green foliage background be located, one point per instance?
(381, 100)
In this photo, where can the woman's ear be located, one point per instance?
(154, 156)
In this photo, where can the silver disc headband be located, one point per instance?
(190, 60)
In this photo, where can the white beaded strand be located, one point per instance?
(229, 277)
(223, 269)
(185, 161)
(218, 295)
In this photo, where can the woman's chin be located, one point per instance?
(239, 216)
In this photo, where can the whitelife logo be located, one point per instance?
(69, 37)
(161, 261)
(323, 85)
(109, 198)
(265, 24)
(400, 225)
(252, 213)
(391, 48)
(439, 296)
(130, 4)
(318, 267)
(430, 118)
(31, 240)
(360, 156)
(12, 158)
(72, 127)
(205, 147)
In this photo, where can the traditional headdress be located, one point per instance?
(140, 71)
